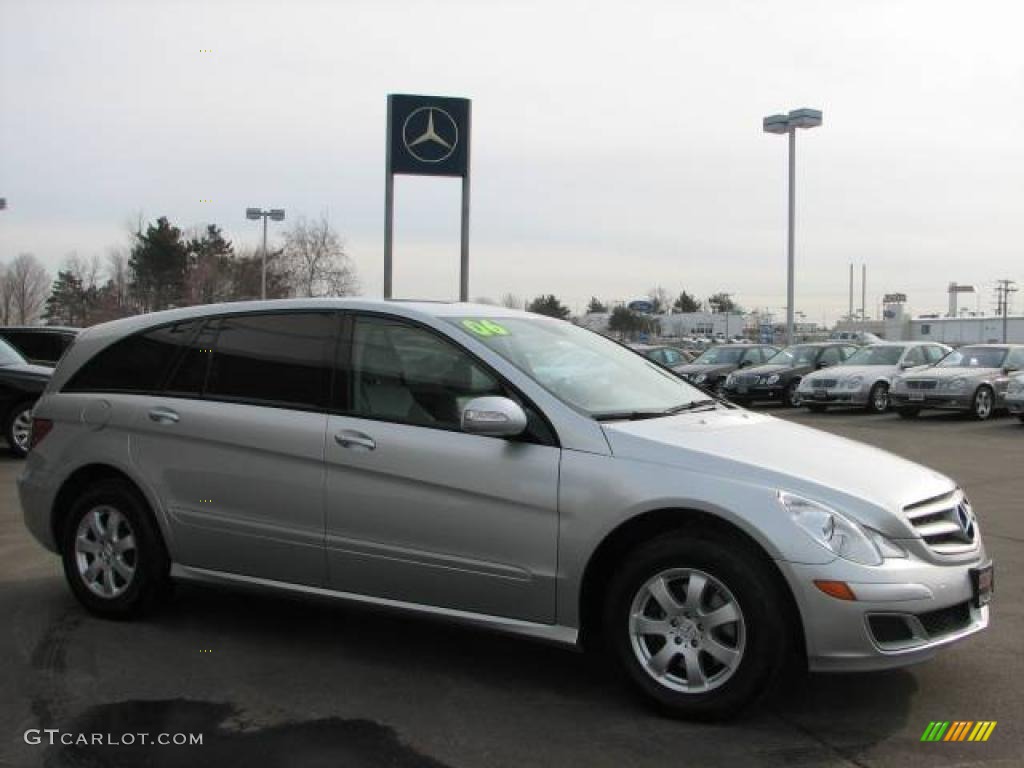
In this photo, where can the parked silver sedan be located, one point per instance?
(496, 468)
(864, 379)
(972, 379)
(1015, 396)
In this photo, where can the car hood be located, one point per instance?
(846, 371)
(27, 371)
(956, 373)
(692, 368)
(868, 483)
(764, 370)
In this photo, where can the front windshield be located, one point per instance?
(582, 368)
(875, 356)
(974, 357)
(795, 356)
(720, 356)
(9, 355)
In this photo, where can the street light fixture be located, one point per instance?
(277, 214)
(787, 124)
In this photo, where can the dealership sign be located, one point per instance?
(427, 136)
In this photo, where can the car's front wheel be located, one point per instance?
(983, 404)
(793, 398)
(18, 429)
(697, 624)
(878, 398)
(114, 558)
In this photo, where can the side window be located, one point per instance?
(407, 374)
(189, 376)
(134, 364)
(934, 353)
(915, 356)
(831, 356)
(272, 359)
(31, 345)
(671, 357)
(849, 352)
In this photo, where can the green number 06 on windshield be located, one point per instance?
(485, 327)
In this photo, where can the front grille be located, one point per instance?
(823, 383)
(922, 384)
(945, 621)
(946, 523)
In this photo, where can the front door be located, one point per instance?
(420, 512)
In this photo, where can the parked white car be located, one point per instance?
(865, 378)
(1015, 396)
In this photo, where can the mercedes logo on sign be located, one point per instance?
(430, 134)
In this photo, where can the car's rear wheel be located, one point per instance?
(697, 624)
(908, 412)
(878, 398)
(18, 429)
(983, 404)
(114, 558)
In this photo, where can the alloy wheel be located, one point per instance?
(687, 630)
(983, 403)
(105, 552)
(21, 429)
(880, 398)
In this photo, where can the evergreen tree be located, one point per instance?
(596, 305)
(159, 264)
(548, 305)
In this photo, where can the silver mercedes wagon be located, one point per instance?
(496, 468)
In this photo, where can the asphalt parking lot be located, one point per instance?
(274, 681)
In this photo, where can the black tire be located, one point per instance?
(816, 407)
(791, 398)
(906, 412)
(150, 579)
(983, 404)
(765, 631)
(878, 398)
(18, 446)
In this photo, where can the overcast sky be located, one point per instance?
(615, 145)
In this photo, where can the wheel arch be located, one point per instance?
(635, 531)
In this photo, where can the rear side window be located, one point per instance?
(189, 375)
(135, 364)
(279, 359)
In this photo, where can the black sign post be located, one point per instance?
(427, 136)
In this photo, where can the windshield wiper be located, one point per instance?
(638, 415)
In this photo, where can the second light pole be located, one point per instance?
(277, 214)
(787, 124)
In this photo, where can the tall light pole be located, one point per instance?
(277, 214)
(787, 124)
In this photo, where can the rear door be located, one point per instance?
(421, 512)
(234, 445)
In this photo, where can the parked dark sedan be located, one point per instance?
(670, 357)
(779, 378)
(21, 384)
(39, 344)
(711, 368)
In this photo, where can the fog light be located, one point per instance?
(840, 590)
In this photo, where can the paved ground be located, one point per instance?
(289, 682)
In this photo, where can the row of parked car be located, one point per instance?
(981, 379)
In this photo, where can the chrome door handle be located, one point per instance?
(164, 416)
(350, 439)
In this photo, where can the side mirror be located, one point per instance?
(823, 364)
(493, 417)
(1010, 369)
(746, 363)
(907, 364)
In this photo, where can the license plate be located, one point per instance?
(916, 396)
(983, 584)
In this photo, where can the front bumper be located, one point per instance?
(755, 393)
(905, 611)
(834, 396)
(932, 399)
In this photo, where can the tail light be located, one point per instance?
(40, 429)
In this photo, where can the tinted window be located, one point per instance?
(915, 356)
(831, 356)
(934, 353)
(34, 346)
(273, 359)
(404, 373)
(672, 357)
(9, 355)
(189, 375)
(135, 364)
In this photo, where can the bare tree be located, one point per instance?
(28, 283)
(118, 275)
(315, 260)
(86, 270)
(511, 301)
(6, 296)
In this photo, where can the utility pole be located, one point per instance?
(1004, 288)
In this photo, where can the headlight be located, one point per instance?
(773, 379)
(700, 377)
(854, 382)
(836, 533)
(729, 380)
(955, 385)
